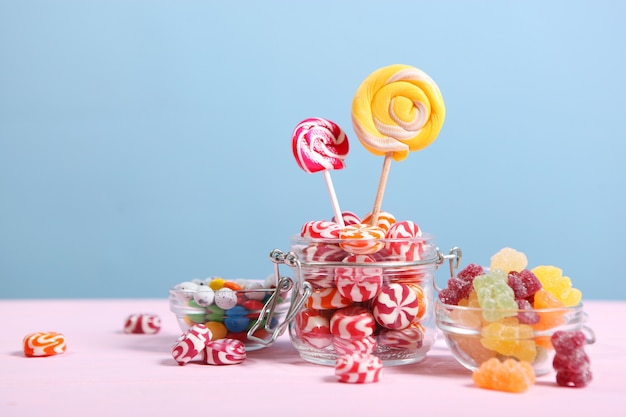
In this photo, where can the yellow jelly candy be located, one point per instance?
(552, 280)
(511, 339)
(508, 259)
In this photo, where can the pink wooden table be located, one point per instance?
(105, 372)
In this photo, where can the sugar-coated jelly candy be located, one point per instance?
(509, 375)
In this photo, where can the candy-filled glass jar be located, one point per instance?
(370, 296)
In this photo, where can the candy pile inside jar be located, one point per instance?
(371, 277)
(227, 308)
(512, 313)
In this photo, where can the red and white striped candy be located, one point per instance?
(385, 220)
(395, 306)
(358, 283)
(349, 218)
(404, 241)
(224, 352)
(358, 368)
(190, 344)
(313, 328)
(142, 324)
(361, 345)
(320, 229)
(326, 299)
(362, 239)
(44, 344)
(319, 144)
(352, 323)
(321, 277)
(409, 338)
(421, 300)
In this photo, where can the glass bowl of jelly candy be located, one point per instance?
(230, 308)
(475, 335)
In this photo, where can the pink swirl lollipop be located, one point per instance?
(320, 145)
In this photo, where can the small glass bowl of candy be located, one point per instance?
(230, 309)
(475, 335)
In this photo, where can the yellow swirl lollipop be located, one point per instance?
(396, 110)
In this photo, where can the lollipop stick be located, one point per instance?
(333, 198)
(381, 188)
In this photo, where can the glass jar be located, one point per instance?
(374, 296)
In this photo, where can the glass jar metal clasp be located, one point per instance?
(283, 285)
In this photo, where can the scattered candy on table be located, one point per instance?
(358, 368)
(224, 352)
(189, 345)
(41, 344)
(142, 324)
(508, 375)
(571, 363)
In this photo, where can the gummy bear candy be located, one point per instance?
(495, 296)
(509, 375)
(571, 363)
(508, 259)
(510, 339)
(524, 283)
(527, 314)
(460, 286)
(552, 280)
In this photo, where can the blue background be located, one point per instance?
(144, 143)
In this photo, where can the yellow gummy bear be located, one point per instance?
(510, 338)
(560, 286)
(508, 259)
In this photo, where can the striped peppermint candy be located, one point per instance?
(321, 277)
(44, 344)
(352, 323)
(348, 218)
(358, 283)
(409, 338)
(358, 368)
(224, 352)
(190, 344)
(327, 299)
(385, 220)
(404, 241)
(395, 306)
(320, 229)
(359, 345)
(362, 239)
(313, 328)
(142, 324)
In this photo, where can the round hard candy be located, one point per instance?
(348, 218)
(254, 290)
(358, 283)
(313, 328)
(403, 241)
(186, 290)
(225, 298)
(409, 338)
(321, 276)
(385, 220)
(395, 306)
(359, 345)
(225, 352)
(320, 229)
(358, 368)
(44, 344)
(326, 299)
(362, 239)
(190, 344)
(142, 324)
(204, 296)
(218, 329)
(352, 323)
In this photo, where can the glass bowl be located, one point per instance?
(475, 335)
(230, 308)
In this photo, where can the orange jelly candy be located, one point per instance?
(509, 375)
